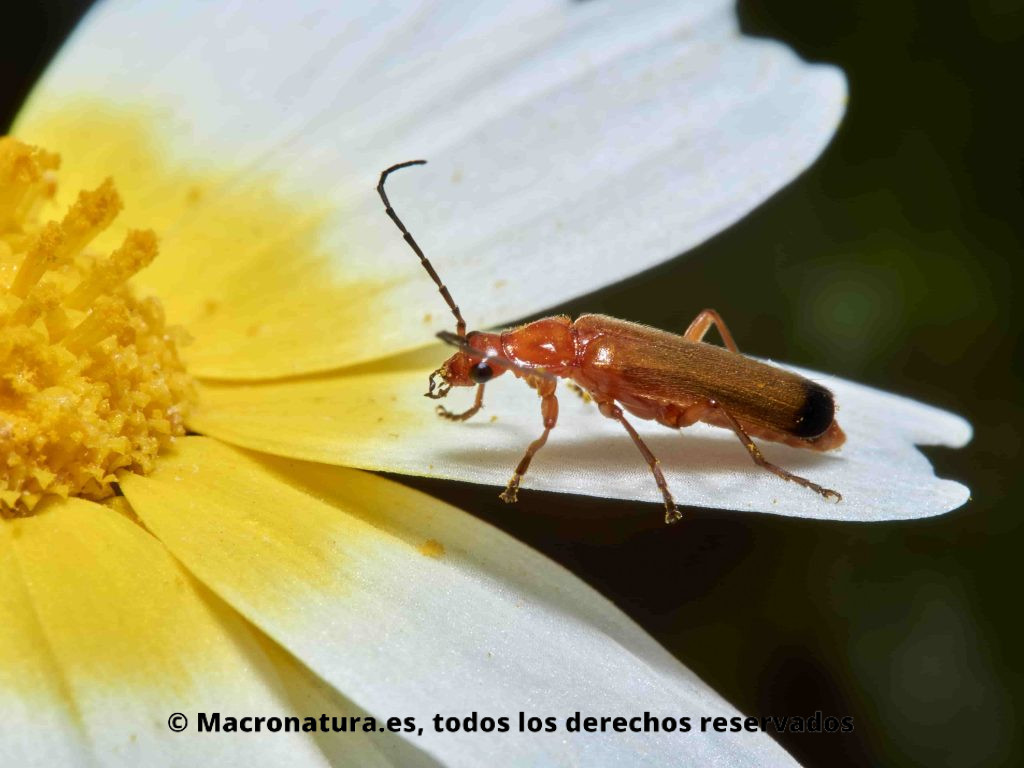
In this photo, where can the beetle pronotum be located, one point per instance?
(652, 374)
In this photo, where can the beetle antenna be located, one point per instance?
(463, 345)
(460, 324)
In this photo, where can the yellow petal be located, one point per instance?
(241, 266)
(40, 723)
(111, 631)
(371, 417)
(203, 491)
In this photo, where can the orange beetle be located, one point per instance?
(653, 374)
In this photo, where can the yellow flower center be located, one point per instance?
(90, 380)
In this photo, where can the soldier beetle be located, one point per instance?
(653, 374)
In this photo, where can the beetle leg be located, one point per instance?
(584, 395)
(444, 413)
(549, 410)
(759, 459)
(612, 411)
(703, 322)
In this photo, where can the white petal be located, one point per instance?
(378, 420)
(572, 144)
(312, 697)
(411, 608)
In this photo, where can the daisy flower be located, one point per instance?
(250, 568)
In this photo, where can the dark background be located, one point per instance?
(893, 261)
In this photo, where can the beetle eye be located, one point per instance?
(481, 372)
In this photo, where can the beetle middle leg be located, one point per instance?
(759, 459)
(478, 403)
(702, 324)
(612, 411)
(583, 394)
(549, 410)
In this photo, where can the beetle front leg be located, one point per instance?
(759, 459)
(703, 322)
(549, 411)
(612, 411)
(444, 413)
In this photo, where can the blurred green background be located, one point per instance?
(893, 261)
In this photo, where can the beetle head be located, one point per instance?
(478, 361)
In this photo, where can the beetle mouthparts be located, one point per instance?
(442, 389)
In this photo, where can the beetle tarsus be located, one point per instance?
(444, 413)
(583, 394)
(478, 403)
(827, 492)
(511, 493)
(672, 514)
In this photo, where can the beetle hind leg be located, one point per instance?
(761, 461)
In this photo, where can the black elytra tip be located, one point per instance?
(817, 412)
